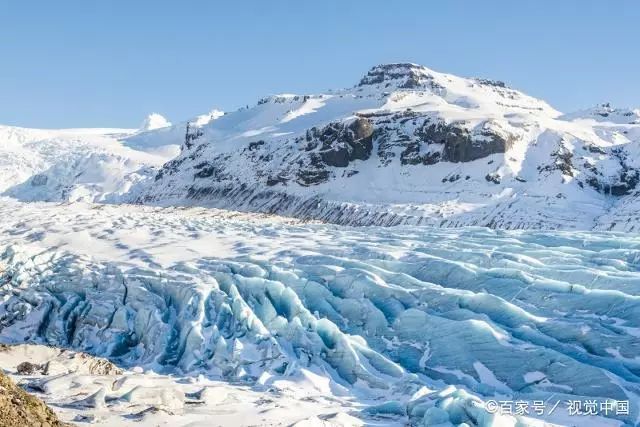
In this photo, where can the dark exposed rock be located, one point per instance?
(493, 177)
(594, 183)
(412, 81)
(205, 172)
(411, 155)
(563, 161)
(489, 82)
(337, 156)
(404, 75)
(343, 144)
(628, 180)
(595, 149)
(271, 181)
(169, 168)
(209, 171)
(282, 99)
(191, 135)
(28, 368)
(459, 144)
(312, 177)
(254, 145)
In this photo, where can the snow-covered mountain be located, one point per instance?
(410, 145)
(405, 145)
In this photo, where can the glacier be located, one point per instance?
(417, 325)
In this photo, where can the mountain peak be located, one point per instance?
(405, 75)
(154, 121)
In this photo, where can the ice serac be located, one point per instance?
(409, 145)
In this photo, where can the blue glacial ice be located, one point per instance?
(421, 324)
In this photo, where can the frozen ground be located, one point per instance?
(243, 319)
(92, 396)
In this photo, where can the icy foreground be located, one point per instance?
(280, 322)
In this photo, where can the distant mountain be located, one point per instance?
(408, 145)
(88, 164)
(607, 113)
(69, 164)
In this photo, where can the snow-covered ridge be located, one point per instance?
(607, 113)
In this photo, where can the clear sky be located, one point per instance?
(77, 63)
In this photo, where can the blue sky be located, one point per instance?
(109, 63)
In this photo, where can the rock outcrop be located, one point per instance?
(21, 409)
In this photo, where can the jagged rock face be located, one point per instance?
(459, 145)
(404, 76)
(336, 145)
(342, 144)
